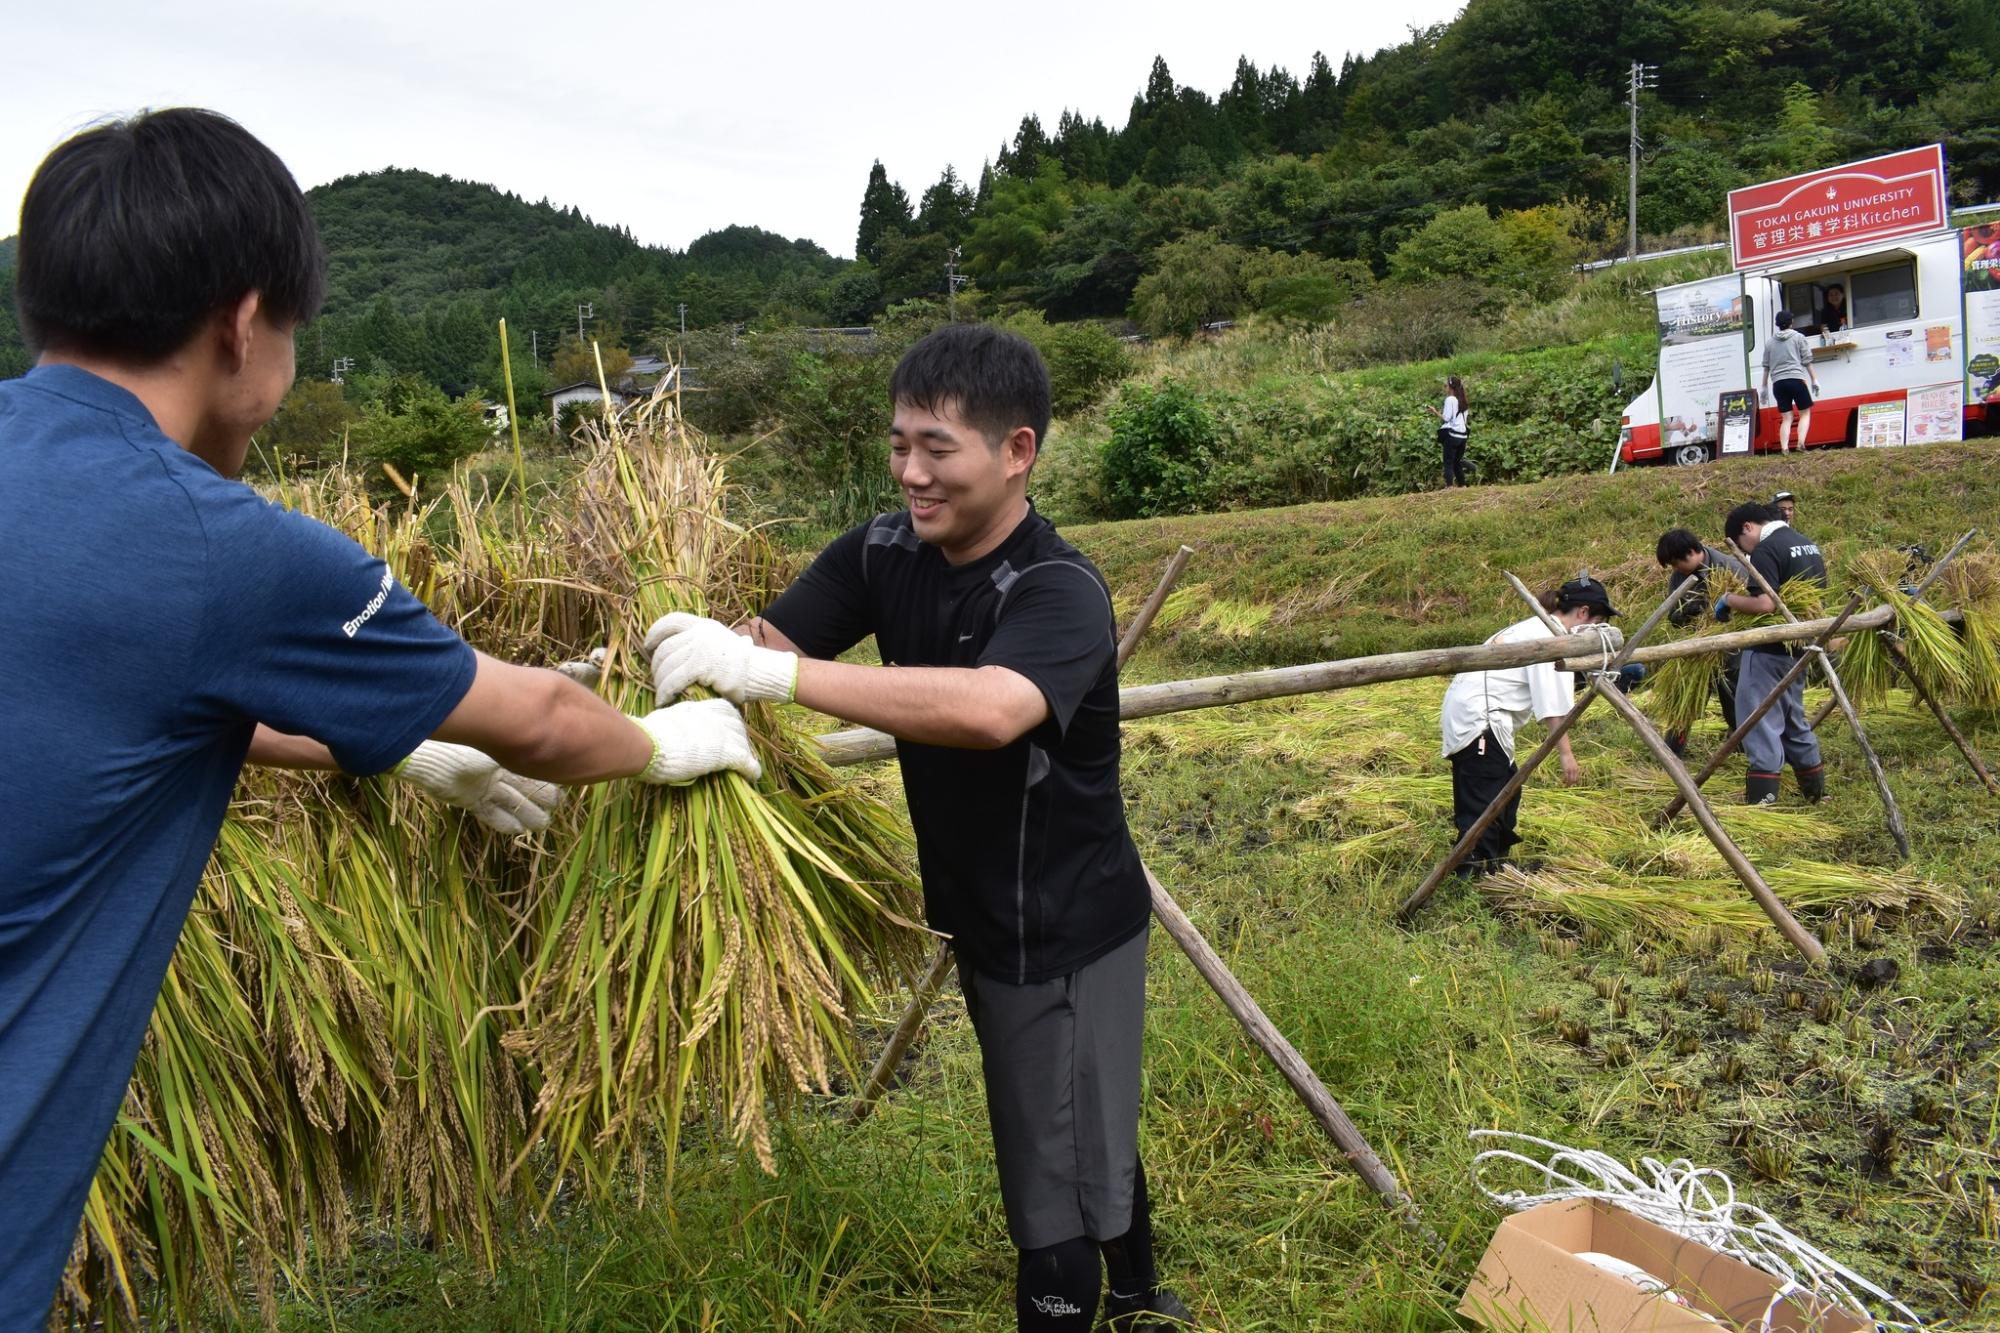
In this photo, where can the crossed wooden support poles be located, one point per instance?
(1689, 787)
(862, 746)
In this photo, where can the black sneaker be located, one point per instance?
(1162, 1313)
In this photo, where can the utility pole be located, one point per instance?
(535, 348)
(588, 310)
(953, 280)
(341, 365)
(684, 319)
(1643, 76)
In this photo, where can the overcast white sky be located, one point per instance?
(670, 119)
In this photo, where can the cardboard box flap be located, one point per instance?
(1530, 1280)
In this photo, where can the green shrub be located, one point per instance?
(1161, 447)
(416, 429)
(1084, 359)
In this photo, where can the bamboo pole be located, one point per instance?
(925, 991)
(1902, 661)
(1601, 686)
(1463, 846)
(860, 745)
(1735, 738)
(1318, 1101)
(1916, 595)
(1787, 925)
(1144, 620)
(1880, 776)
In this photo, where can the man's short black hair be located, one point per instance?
(135, 232)
(1746, 513)
(1784, 319)
(1676, 544)
(994, 379)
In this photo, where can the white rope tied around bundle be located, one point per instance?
(1700, 1204)
(1605, 633)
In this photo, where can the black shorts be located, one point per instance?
(1061, 1060)
(1792, 396)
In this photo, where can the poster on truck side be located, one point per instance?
(1701, 356)
(1937, 414)
(1879, 425)
(1981, 248)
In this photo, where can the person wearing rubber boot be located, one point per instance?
(1685, 556)
(1000, 683)
(1779, 553)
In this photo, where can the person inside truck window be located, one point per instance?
(1832, 316)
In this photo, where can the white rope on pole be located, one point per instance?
(1698, 1203)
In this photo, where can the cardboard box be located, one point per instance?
(1531, 1281)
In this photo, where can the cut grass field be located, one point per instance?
(1867, 1118)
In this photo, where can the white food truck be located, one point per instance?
(1901, 309)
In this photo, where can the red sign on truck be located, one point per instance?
(1898, 194)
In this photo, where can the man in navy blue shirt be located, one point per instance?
(1000, 683)
(164, 625)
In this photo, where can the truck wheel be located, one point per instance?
(1689, 455)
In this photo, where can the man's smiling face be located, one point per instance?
(963, 490)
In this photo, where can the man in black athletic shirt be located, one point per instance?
(1780, 553)
(1000, 683)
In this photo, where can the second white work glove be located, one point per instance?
(691, 739)
(474, 781)
(694, 650)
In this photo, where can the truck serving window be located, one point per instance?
(1881, 295)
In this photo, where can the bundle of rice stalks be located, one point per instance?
(329, 1038)
(698, 945)
(1695, 910)
(1971, 584)
(1929, 644)
(1677, 691)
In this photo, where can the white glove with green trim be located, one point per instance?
(694, 650)
(691, 739)
(474, 781)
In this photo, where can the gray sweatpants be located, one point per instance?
(1781, 736)
(1061, 1060)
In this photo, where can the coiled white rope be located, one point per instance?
(1609, 640)
(1700, 1204)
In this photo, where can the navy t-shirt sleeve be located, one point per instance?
(826, 610)
(308, 633)
(1056, 629)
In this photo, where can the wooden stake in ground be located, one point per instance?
(1873, 760)
(927, 986)
(1601, 686)
(1463, 846)
(1770, 701)
(1917, 595)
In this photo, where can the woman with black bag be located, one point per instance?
(1451, 429)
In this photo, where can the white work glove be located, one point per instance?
(586, 671)
(1613, 637)
(694, 650)
(691, 739)
(473, 781)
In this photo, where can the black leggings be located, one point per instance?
(1454, 457)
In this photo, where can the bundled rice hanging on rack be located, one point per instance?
(698, 946)
(378, 1009)
(1929, 645)
(1678, 690)
(1971, 584)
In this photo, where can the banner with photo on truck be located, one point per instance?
(1702, 356)
(1981, 248)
